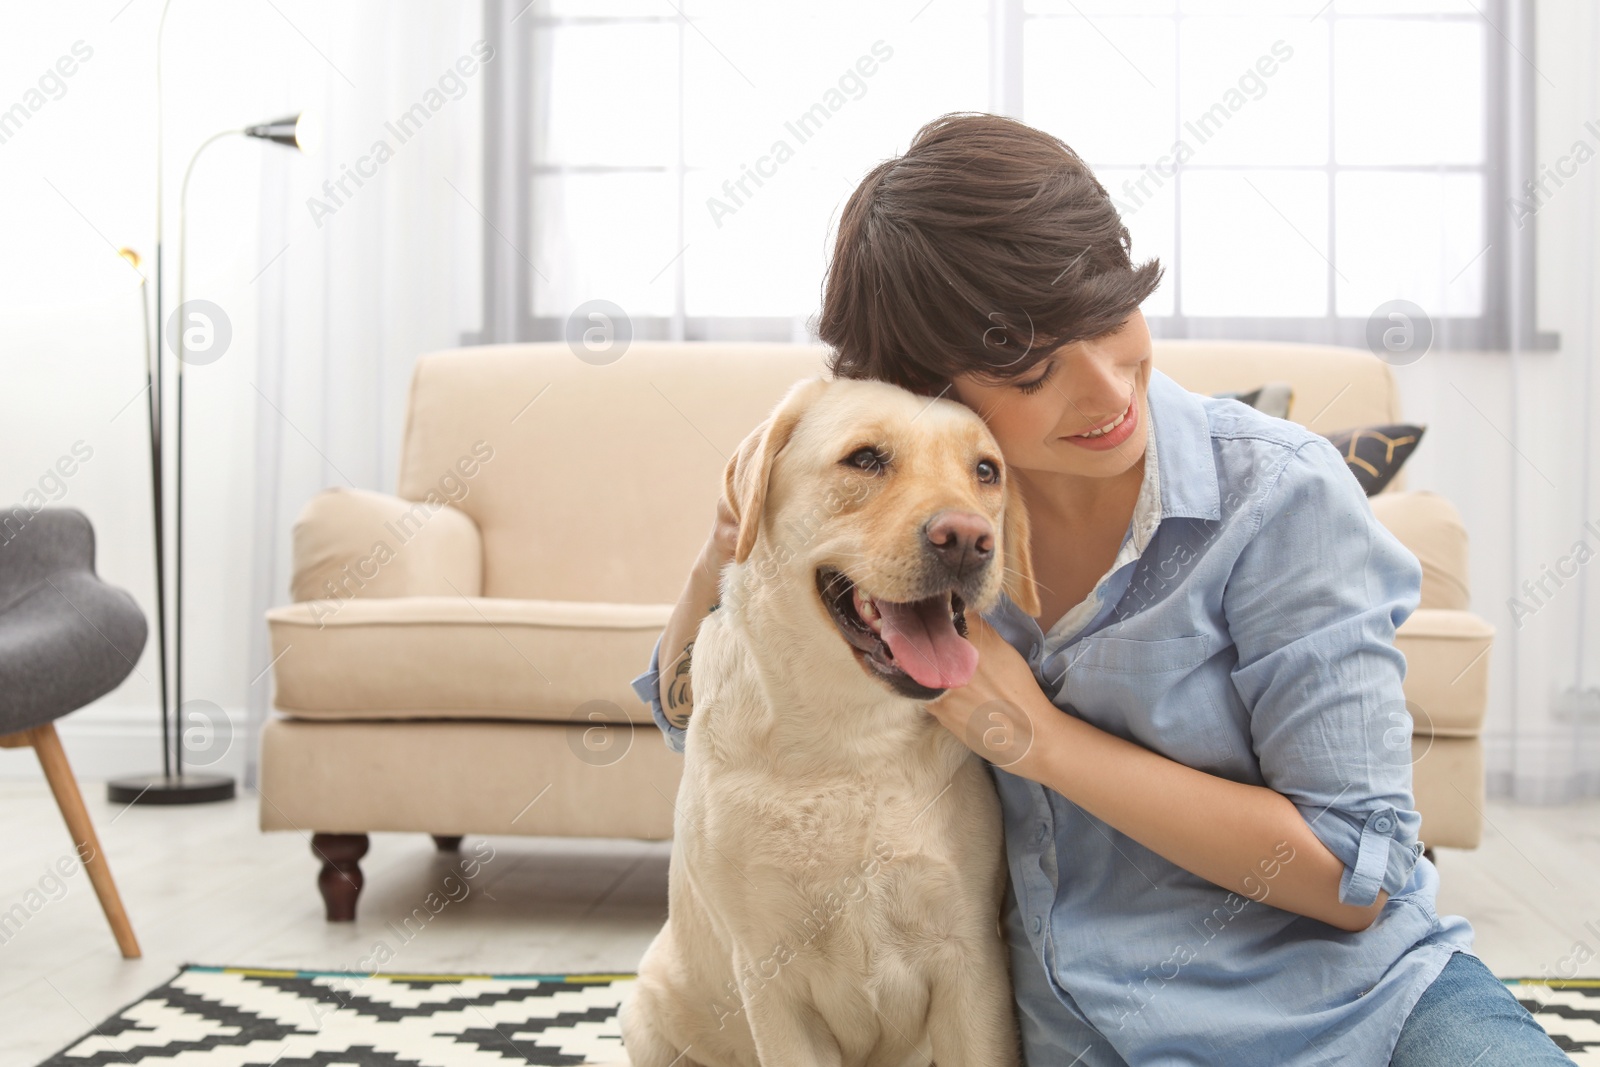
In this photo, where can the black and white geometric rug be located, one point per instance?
(241, 1016)
(245, 1017)
(1569, 1011)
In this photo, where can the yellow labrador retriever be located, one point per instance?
(838, 866)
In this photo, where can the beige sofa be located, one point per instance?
(457, 657)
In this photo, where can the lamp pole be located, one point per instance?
(156, 396)
(173, 786)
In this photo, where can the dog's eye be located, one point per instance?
(869, 459)
(988, 472)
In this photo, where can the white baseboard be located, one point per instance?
(108, 741)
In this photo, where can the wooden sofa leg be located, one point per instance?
(447, 842)
(340, 879)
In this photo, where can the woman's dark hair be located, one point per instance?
(983, 248)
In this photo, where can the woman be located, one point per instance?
(1213, 852)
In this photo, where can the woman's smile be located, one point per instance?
(1114, 433)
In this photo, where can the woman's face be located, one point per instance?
(1038, 419)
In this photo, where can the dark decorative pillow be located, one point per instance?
(1375, 454)
(1273, 398)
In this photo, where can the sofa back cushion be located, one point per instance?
(1334, 388)
(602, 480)
(599, 482)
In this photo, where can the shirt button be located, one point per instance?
(1038, 924)
(1383, 824)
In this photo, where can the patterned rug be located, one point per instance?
(244, 1017)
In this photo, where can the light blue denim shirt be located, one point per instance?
(1246, 628)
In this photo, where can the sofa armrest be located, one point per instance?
(1430, 526)
(359, 543)
(1447, 671)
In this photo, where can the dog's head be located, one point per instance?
(896, 513)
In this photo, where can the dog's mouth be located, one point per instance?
(918, 647)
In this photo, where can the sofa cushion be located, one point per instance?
(1447, 671)
(356, 542)
(1334, 387)
(1273, 398)
(452, 657)
(1447, 787)
(1375, 454)
(1431, 527)
(604, 479)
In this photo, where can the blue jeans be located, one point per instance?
(1465, 1018)
(1468, 1017)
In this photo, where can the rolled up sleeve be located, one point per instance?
(648, 688)
(1312, 605)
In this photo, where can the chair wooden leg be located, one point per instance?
(340, 879)
(53, 758)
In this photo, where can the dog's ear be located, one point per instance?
(1018, 552)
(744, 480)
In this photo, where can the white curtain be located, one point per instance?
(1522, 457)
(380, 241)
(1510, 437)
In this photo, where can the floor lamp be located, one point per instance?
(172, 785)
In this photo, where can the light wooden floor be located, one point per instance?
(203, 885)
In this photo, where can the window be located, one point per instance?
(1294, 164)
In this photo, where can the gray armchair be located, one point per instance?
(66, 638)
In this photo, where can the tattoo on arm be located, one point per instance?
(678, 694)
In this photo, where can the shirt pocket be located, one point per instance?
(1158, 693)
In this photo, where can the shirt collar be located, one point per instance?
(1188, 467)
(1180, 480)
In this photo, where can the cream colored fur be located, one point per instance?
(838, 862)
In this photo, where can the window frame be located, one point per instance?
(1506, 322)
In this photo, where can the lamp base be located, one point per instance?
(169, 789)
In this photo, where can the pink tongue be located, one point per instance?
(925, 643)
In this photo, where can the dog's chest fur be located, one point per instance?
(839, 840)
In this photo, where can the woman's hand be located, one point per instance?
(701, 593)
(1001, 713)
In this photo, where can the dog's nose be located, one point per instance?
(961, 539)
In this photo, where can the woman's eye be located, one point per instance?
(868, 459)
(1038, 383)
(988, 472)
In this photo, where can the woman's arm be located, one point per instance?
(1227, 832)
(1312, 605)
(700, 594)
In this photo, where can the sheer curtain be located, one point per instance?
(375, 257)
(1525, 422)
